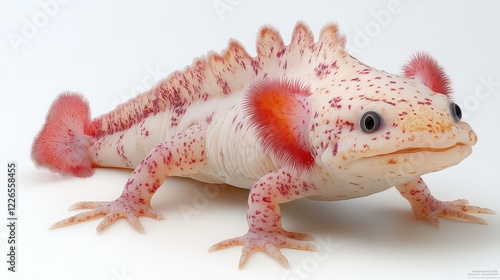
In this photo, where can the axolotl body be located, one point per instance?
(298, 120)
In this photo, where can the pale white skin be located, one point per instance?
(215, 140)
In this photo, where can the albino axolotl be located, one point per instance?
(298, 120)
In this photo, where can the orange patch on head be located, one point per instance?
(426, 120)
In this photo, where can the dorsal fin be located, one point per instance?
(425, 68)
(269, 42)
(219, 74)
(330, 34)
(279, 110)
(302, 37)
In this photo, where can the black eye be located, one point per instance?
(370, 122)
(456, 112)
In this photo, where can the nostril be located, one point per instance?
(474, 138)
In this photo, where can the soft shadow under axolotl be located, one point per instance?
(379, 219)
(377, 222)
(376, 219)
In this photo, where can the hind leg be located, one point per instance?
(184, 154)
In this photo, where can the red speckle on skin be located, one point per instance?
(335, 148)
(426, 102)
(209, 119)
(255, 66)
(283, 189)
(336, 102)
(305, 187)
(280, 53)
(414, 192)
(365, 71)
(350, 124)
(362, 97)
(222, 83)
(322, 70)
(285, 66)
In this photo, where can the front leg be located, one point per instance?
(184, 154)
(265, 232)
(424, 205)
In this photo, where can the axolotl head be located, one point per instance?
(378, 127)
(320, 108)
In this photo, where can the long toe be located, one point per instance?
(82, 217)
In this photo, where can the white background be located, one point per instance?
(108, 49)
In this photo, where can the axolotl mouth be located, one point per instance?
(410, 162)
(421, 149)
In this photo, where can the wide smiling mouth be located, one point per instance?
(418, 150)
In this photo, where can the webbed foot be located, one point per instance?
(459, 209)
(111, 211)
(425, 206)
(269, 242)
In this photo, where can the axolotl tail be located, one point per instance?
(63, 143)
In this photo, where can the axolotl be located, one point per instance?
(303, 120)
